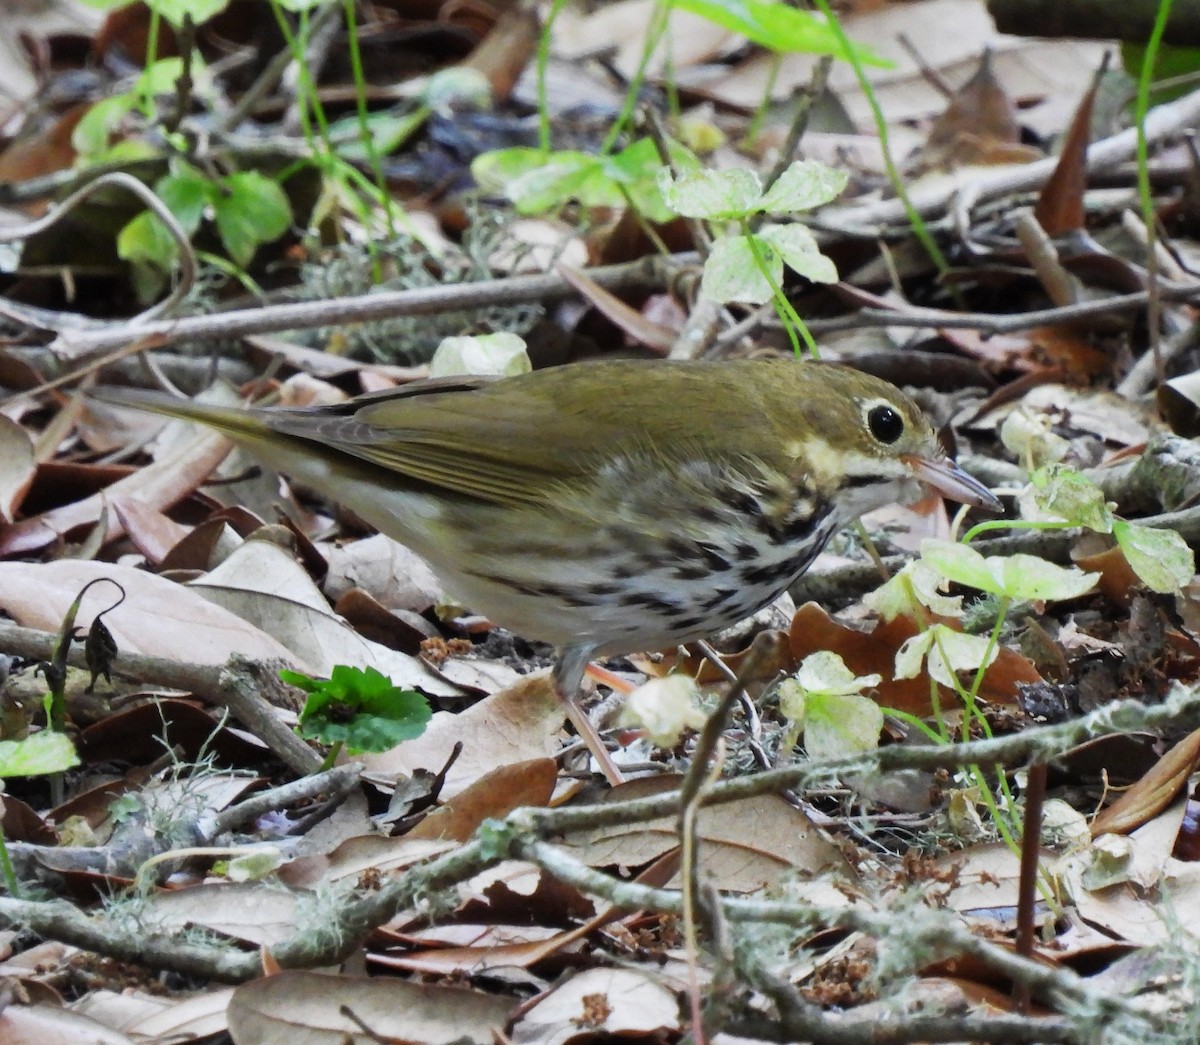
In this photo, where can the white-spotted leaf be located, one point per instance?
(1161, 558)
(945, 652)
(731, 273)
(798, 248)
(804, 185)
(707, 193)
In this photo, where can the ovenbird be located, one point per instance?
(610, 506)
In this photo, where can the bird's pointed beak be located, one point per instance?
(948, 479)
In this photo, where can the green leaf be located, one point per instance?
(252, 210)
(911, 590)
(945, 652)
(254, 865)
(960, 563)
(94, 131)
(1063, 493)
(146, 241)
(731, 273)
(503, 354)
(824, 700)
(186, 192)
(799, 250)
(45, 752)
(175, 10)
(839, 725)
(826, 672)
(537, 182)
(706, 193)
(359, 708)
(1161, 558)
(636, 169)
(776, 26)
(1018, 577)
(665, 708)
(804, 185)
(1032, 579)
(157, 78)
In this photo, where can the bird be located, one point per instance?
(608, 506)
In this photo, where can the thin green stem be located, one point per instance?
(654, 33)
(11, 881)
(754, 128)
(788, 316)
(1014, 524)
(543, 62)
(364, 122)
(920, 229)
(1149, 218)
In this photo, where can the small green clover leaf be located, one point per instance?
(1018, 577)
(360, 708)
(825, 702)
(945, 652)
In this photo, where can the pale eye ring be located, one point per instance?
(885, 423)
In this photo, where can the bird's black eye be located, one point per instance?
(885, 423)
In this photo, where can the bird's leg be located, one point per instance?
(567, 677)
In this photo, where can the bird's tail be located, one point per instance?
(239, 423)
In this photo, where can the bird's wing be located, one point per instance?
(477, 439)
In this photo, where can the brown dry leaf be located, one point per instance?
(492, 946)
(1030, 70)
(48, 1024)
(393, 574)
(1059, 208)
(1130, 910)
(157, 485)
(136, 734)
(359, 855)
(264, 585)
(689, 39)
(745, 845)
(516, 724)
(506, 49)
(199, 1016)
(47, 150)
(1117, 580)
(158, 617)
(606, 1002)
(1153, 792)
(256, 912)
(118, 1010)
(18, 468)
(874, 653)
(152, 532)
(311, 1007)
(630, 320)
(496, 794)
(979, 126)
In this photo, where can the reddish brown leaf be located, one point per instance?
(1154, 792)
(1059, 208)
